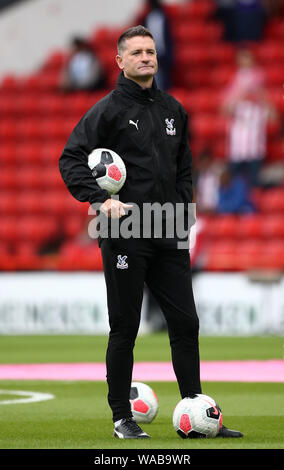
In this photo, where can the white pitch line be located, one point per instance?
(32, 397)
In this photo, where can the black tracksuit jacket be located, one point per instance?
(156, 154)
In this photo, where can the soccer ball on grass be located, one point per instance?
(108, 169)
(198, 416)
(144, 402)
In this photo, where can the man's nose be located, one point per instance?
(145, 57)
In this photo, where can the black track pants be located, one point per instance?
(128, 264)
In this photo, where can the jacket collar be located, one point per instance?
(135, 91)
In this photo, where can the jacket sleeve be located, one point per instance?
(184, 166)
(73, 163)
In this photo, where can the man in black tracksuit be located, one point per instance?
(149, 129)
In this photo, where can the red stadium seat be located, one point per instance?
(50, 152)
(221, 256)
(105, 37)
(7, 261)
(269, 52)
(250, 226)
(8, 105)
(194, 77)
(219, 148)
(56, 128)
(8, 229)
(76, 208)
(249, 254)
(53, 202)
(223, 227)
(55, 61)
(106, 57)
(79, 103)
(208, 126)
(8, 179)
(27, 129)
(27, 105)
(272, 256)
(256, 195)
(44, 81)
(275, 29)
(30, 203)
(180, 94)
(202, 101)
(26, 257)
(275, 150)
(10, 84)
(52, 105)
(8, 203)
(27, 153)
(51, 178)
(77, 256)
(222, 53)
(8, 130)
(36, 229)
(191, 11)
(72, 226)
(197, 32)
(274, 74)
(8, 154)
(112, 78)
(193, 56)
(275, 94)
(272, 201)
(173, 11)
(221, 75)
(273, 226)
(29, 178)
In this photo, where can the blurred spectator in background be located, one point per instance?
(83, 70)
(234, 195)
(225, 12)
(244, 20)
(246, 104)
(155, 19)
(249, 76)
(206, 174)
(249, 20)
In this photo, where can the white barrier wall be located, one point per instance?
(231, 304)
(30, 31)
(54, 303)
(75, 303)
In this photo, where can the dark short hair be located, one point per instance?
(131, 33)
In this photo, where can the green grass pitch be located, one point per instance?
(79, 417)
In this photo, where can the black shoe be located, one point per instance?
(129, 429)
(225, 432)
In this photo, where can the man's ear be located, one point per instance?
(119, 61)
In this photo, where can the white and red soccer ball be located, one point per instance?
(144, 402)
(199, 416)
(108, 169)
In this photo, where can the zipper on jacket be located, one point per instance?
(155, 154)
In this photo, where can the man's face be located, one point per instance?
(138, 59)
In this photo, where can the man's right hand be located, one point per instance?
(114, 209)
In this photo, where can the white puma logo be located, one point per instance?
(134, 123)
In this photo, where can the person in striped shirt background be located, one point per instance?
(247, 105)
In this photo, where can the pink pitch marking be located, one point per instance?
(219, 371)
